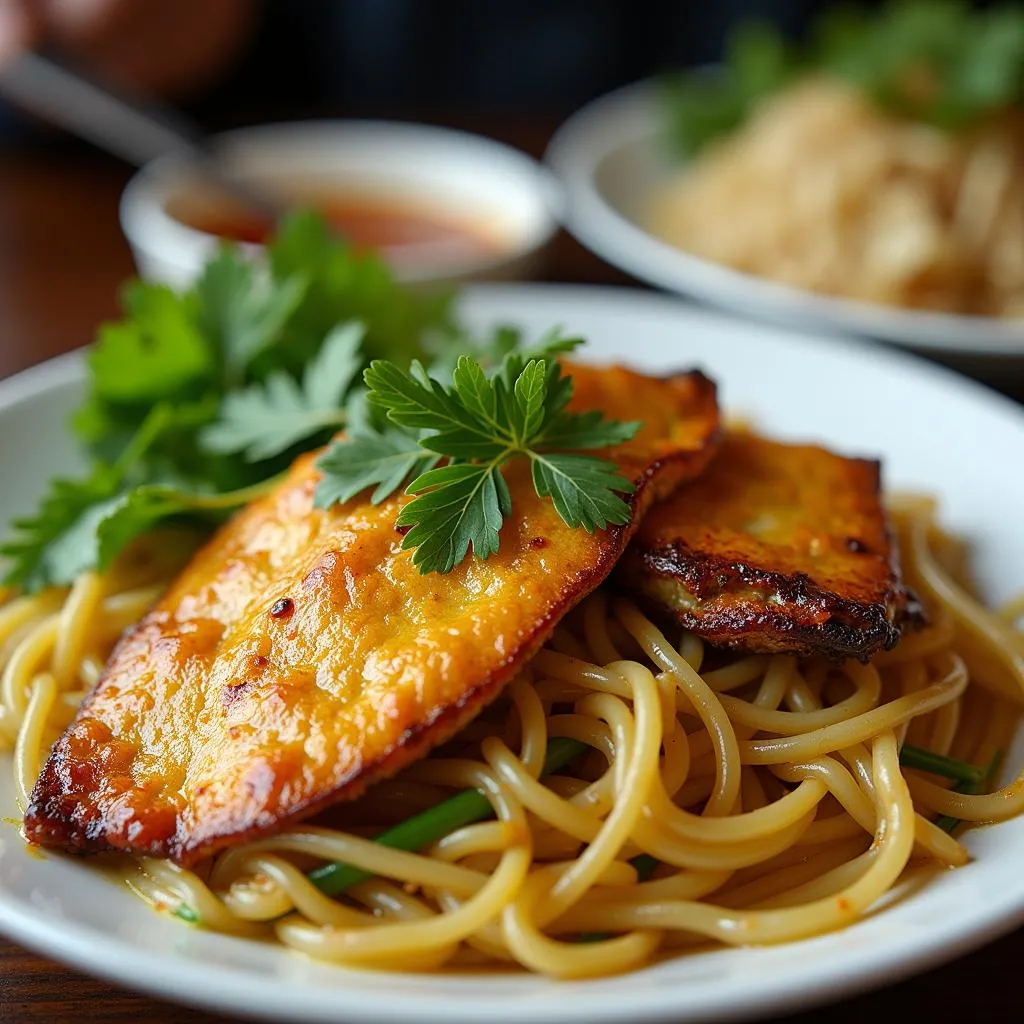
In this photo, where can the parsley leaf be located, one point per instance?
(479, 422)
(461, 505)
(582, 489)
(382, 459)
(266, 419)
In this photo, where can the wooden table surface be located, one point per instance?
(61, 260)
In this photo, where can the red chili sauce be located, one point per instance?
(366, 223)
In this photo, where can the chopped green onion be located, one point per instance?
(938, 764)
(645, 865)
(186, 913)
(969, 788)
(424, 828)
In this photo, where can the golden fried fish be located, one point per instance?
(775, 548)
(301, 656)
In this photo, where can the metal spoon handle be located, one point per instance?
(127, 129)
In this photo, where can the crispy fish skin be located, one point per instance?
(301, 656)
(775, 548)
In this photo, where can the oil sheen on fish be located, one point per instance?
(775, 547)
(300, 655)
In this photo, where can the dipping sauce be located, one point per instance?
(367, 222)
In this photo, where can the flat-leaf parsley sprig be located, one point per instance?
(478, 423)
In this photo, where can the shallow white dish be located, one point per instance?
(495, 190)
(934, 431)
(608, 156)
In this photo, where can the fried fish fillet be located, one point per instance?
(301, 655)
(775, 547)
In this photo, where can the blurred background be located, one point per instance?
(911, 153)
(509, 70)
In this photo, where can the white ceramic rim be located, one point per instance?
(862, 966)
(630, 115)
(149, 228)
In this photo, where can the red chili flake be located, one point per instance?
(539, 542)
(282, 608)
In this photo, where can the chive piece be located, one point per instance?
(412, 834)
(186, 913)
(969, 788)
(424, 828)
(938, 764)
(946, 821)
(433, 824)
(645, 865)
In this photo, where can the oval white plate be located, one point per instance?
(608, 156)
(933, 429)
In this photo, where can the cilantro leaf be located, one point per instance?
(108, 528)
(246, 360)
(251, 361)
(44, 551)
(402, 324)
(705, 104)
(266, 419)
(153, 353)
(85, 524)
(479, 422)
(239, 314)
(948, 64)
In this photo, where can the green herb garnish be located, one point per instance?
(478, 423)
(941, 62)
(708, 103)
(970, 787)
(424, 828)
(939, 764)
(268, 418)
(197, 401)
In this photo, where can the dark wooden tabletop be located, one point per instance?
(62, 258)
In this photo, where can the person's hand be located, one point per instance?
(166, 47)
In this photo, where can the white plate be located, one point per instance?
(934, 429)
(609, 155)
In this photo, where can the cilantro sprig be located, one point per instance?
(196, 401)
(267, 418)
(940, 62)
(478, 423)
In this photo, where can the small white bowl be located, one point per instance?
(613, 152)
(493, 190)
